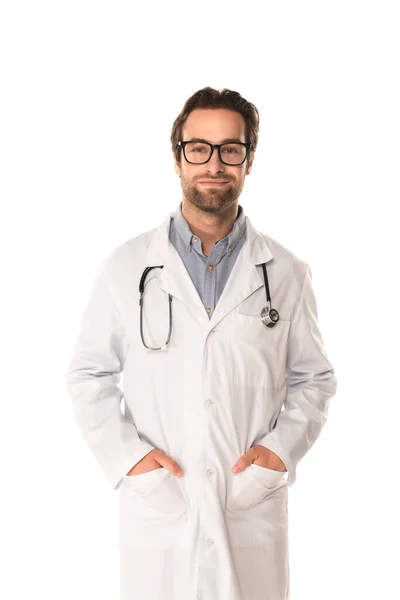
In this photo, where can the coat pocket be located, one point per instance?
(153, 513)
(153, 495)
(254, 485)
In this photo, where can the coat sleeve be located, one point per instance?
(311, 382)
(92, 379)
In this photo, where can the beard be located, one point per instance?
(211, 199)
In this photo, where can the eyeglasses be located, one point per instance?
(198, 153)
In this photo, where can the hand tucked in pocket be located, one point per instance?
(156, 459)
(261, 456)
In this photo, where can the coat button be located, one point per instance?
(210, 472)
(209, 542)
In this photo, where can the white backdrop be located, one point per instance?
(88, 88)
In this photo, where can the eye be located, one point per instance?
(197, 148)
(232, 149)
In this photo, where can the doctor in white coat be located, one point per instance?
(224, 366)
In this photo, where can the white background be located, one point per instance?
(87, 89)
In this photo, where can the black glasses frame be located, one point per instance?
(212, 146)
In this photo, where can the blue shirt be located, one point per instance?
(208, 273)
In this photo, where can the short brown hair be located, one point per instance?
(211, 98)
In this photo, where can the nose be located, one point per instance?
(214, 165)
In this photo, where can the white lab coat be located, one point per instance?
(217, 391)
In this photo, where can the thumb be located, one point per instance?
(167, 462)
(245, 460)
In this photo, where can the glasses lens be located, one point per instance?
(198, 152)
(233, 154)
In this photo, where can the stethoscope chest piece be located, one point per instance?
(269, 316)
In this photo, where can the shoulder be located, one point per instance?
(127, 257)
(286, 260)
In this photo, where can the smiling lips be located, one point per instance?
(214, 182)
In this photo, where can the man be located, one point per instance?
(220, 404)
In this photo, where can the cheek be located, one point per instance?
(190, 176)
(239, 183)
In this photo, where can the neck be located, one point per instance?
(209, 227)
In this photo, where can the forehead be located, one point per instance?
(214, 125)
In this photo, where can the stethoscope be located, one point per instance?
(269, 316)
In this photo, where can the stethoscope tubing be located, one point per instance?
(269, 316)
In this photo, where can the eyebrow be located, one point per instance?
(228, 140)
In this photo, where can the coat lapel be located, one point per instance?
(174, 278)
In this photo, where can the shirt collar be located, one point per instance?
(230, 240)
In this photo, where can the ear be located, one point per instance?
(176, 166)
(250, 164)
